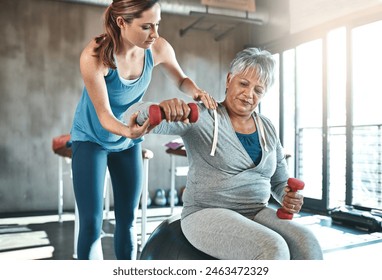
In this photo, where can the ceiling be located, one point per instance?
(217, 21)
(194, 7)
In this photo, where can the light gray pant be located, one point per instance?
(228, 235)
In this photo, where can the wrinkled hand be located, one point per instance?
(207, 99)
(136, 130)
(175, 110)
(292, 201)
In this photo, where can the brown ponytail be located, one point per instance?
(109, 42)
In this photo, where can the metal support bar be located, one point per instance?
(183, 31)
(60, 190)
(172, 190)
(144, 203)
(225, 33)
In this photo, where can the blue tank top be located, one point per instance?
(122, 94)
(252, 145)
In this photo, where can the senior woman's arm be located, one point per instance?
(174, 116)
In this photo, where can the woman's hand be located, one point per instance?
(175, 110)
(164, 54)
(292, 201)
(135, 130)
(207, 99)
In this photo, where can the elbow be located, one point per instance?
(113, 125)
(104, 120)
(181, 83)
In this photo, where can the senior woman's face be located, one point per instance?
(244, 92)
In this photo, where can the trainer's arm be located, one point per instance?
(93, 73)
(165, 56)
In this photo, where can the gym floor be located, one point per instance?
(43, 237)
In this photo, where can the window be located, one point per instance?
(367, 115)
(289, 103)
(309, 116)
(331, 96)
(336, 117)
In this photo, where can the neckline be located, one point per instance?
(247, 134)
(131, 81)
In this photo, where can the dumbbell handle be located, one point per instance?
(156, 115)
(295, 185)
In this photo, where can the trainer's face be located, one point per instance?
(141, 32)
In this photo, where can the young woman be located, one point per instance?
(116, 68)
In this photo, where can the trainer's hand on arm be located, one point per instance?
(165, 55)
(292, 201)
(203, 96)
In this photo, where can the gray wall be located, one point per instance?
(40, 82)
(40, 85)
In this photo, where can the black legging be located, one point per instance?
(89, 161)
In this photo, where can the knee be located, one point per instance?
(307, 247)
(90, 225)
(275, 249)
(127, 221)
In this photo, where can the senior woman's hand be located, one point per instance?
(175, 110)
(292, 201)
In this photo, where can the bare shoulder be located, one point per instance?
(89, 61)
(88, 53)
(162, 50)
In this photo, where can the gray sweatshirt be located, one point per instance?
(229, 179)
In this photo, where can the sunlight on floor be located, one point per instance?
(20, 239)
(39, 253)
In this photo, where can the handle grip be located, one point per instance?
(295, 185)
(156, 114)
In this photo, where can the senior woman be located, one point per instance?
(236, 162)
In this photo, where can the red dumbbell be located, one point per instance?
(156, 114)
(295, 185)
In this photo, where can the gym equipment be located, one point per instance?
(167, 242)
(156, 114)
(173, 194)
(295, 185)
(160, 197)
(61, 145)
(349, 216)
